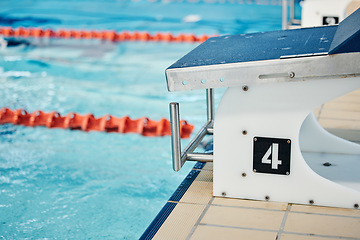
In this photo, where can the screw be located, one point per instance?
(311, 201)
(291, 74)
(287, 173)
(356, 205)
(243, 174)
(255, 139)
(245, 88)
(267, 198)
(254, 170)
(244, 132)
(326, 164)
(223, 194)
(288, 141)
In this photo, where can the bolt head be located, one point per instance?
(326, 164)
(245, 88)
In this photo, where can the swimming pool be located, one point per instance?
(60, 184)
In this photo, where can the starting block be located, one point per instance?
(267, 143)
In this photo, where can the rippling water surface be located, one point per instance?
(60, 184)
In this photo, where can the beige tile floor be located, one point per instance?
(199, 215)
(342, 116)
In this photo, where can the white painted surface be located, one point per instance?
(278, 110)
(313, 11)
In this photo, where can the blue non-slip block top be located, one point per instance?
(347, 36)
(276, 44)
(259, 46)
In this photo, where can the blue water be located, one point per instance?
(62, 184)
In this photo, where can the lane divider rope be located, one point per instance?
(101, 35)
(88, 122)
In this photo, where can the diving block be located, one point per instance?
(267, 143)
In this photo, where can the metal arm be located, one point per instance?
(178, 157)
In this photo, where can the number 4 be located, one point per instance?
(274, 152)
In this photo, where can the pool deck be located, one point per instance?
(342, 116)
(193, 213)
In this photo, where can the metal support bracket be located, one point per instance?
(180, 157)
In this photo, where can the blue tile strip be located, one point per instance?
(169, 206)
(199, 165)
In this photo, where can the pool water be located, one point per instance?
(60, 184)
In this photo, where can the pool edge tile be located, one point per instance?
(158, 221)
(170, 205)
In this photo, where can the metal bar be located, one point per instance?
(200, 157)
(284, 14)
(210, 104)
(178, 157)
(175, 135)
(195, 142)
(292, 11)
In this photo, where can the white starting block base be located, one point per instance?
(280, 110)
